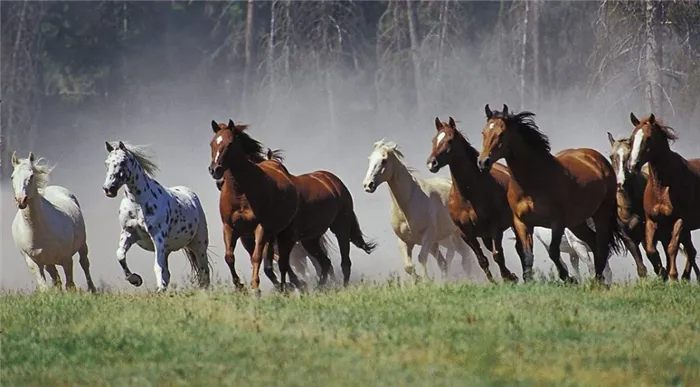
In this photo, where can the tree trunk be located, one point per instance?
(325, 68)
(249, 53)
(415, 55)
(523, 55)
(652, 57)
(536, 6)
(271, 55)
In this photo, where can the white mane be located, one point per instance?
(391, 147)
(41, 171)
(139, 153)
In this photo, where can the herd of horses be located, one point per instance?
(576, 201)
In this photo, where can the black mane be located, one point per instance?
(524, 123)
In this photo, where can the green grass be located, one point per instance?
(428, 335)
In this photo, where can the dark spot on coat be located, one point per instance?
(154, 194)
(160, 190)
(149, 210)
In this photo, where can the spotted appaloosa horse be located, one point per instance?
(554, 191)
(158, 219)
(671, 195)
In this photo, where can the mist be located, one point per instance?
(173, 118)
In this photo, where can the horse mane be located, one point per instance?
(668, 132)
(472, 153)
(253, 148)
(392, 147)
(528, 129)
(41, 170)
(139, 153)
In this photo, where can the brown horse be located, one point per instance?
(239, 222)
(477, 203)
(672, 192)
(322, 202)
(554, 191)
(630, 205)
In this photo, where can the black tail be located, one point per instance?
(358, 238)
(616, 243)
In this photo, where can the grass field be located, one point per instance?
(426, 335)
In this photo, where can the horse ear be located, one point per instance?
(121, 146)
(31, 157)
(452, 123)
(652, 119)
(214, 126)
(109, 147)
(634, 119)
(231, 125)
(14, 159)
(438, 124)
(611, 139)
(505, 110)
(489, 113)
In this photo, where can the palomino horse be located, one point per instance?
(49, 227)
(554, 191)
(671, 195)
(576, 248)
(289, 208)
(419, 214)
(477, 204)
(156, 218)
(239, 222)
(630, 205)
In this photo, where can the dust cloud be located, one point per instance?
(179, 133)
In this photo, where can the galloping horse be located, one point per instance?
(671, 195)
(554, 191)
(49, 227)
(239, 221)
(158, 219)
(289, 208)
(477, 204)
(419, 214)
(630, 205)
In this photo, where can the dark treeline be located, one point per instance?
(354, 61)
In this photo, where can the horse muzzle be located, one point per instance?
(370, 187)
(216, 172)
(110, 192)
(21, 202)
(433, 165)
(485, 164)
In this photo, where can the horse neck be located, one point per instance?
(248, 176)
(141, 187)
(465, 174)
(663, 165)
(401, 184)
(34, 213)
(528, 167)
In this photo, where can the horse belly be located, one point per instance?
(314, 219)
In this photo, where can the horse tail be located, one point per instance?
(358, 238)
(616, 243)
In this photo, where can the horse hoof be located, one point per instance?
(135, 279)
(512, 278)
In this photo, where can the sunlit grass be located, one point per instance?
(647, 333)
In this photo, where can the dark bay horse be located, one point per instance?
(239, 222)
(554, 191)
(630, 205)
(477, 203)
(672, 192)
(322, 202)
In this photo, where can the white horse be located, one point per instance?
(419, 214)
(49, 227)
(158, 219)
(576, 248)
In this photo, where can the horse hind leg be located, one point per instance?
(690, 254)
(497, 252)
(85, 265)
(313, 247)
(483, 261)
(55, 277)
(555, 254)
(68, 272)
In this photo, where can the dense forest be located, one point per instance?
(356, 61)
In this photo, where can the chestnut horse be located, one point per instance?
(630, 205)
(671, 195)
(554, 191)
(477, 202)
(239, 222)
(320, 201)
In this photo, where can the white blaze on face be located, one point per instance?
(492, 125)
(440, 137)
(620, 167)
(218, 140)
(216, 156)
(636, 147)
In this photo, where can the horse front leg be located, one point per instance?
(650, 241)
(633, 247)
(230, 240)
(497, 252)
(472, 242)
(555, 254)
(406, 250)
(527, 258)
(38, 273)
(426, 246)
(672, 249)
(126, 240)
(262, 239)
